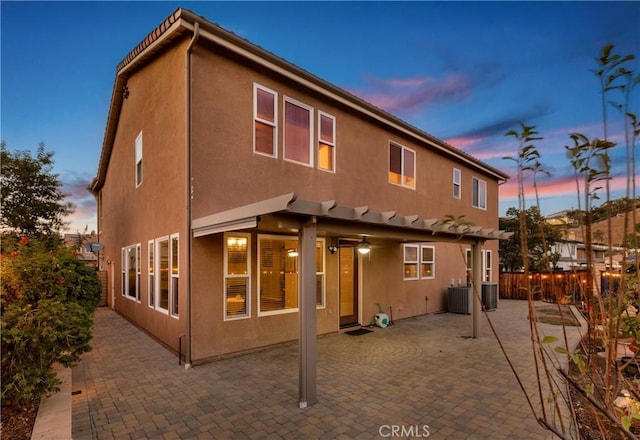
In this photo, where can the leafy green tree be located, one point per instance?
(32, 198)
(511, 254)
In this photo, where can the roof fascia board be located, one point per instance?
(116, 102)
(152, 47)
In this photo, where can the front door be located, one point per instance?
(348, 284)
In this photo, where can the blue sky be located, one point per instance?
(465, 72)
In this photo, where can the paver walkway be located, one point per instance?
(422, 377)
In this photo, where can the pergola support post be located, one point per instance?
(476, 285)
(307, 306)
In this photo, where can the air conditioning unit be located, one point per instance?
(460, 300)
(490, 296)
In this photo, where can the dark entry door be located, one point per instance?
(348, 284)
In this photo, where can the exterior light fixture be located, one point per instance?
(364, 247)
(332, 247)
(292, 253)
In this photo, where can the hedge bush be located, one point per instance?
(48, 297)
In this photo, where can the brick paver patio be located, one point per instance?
(422, 377)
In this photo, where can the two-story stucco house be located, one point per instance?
(237, 195)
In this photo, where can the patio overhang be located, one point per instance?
(287, 211)
(309, 219)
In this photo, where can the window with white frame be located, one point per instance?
(166, 290)
(469, 266)
(138, 148)
(131, 272)
(298, 132)
(265, 116)
(278, 266)
(320, 273)
(151, 284)
(410, 260)
(237, 275)
(175, 276)
(427, 262)
(457, 179)
(486, 266)
(326, 142)
(478, 193)
(162, 302)
(402, 165)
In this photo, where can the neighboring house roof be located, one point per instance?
(594, 246)
(182, 22)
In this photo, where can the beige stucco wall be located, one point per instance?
(223, 142)
(213, 336)
(130, 215)
(227, 174)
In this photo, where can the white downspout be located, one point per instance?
(188, 188)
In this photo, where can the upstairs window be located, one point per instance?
(402, 166)
(479, 193)
(326, 142)
(265, 117)
(297, 132)
(457, 177)
(139, 160)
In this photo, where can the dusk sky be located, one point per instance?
(465, 72)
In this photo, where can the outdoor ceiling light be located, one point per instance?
(364, 247)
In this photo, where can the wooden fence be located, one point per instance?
(104, 281)
(566, 286)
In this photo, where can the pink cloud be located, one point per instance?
(473, 145)
(464, 143)
(410, 95)
(560, 187)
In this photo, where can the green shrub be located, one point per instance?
(48, 298)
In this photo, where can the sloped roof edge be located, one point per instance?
(183, 20)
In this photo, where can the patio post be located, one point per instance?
(307, 308)
(476, 285)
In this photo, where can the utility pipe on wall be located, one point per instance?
(188, 189)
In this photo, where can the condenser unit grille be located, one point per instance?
(459, 300)
(490, 296)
